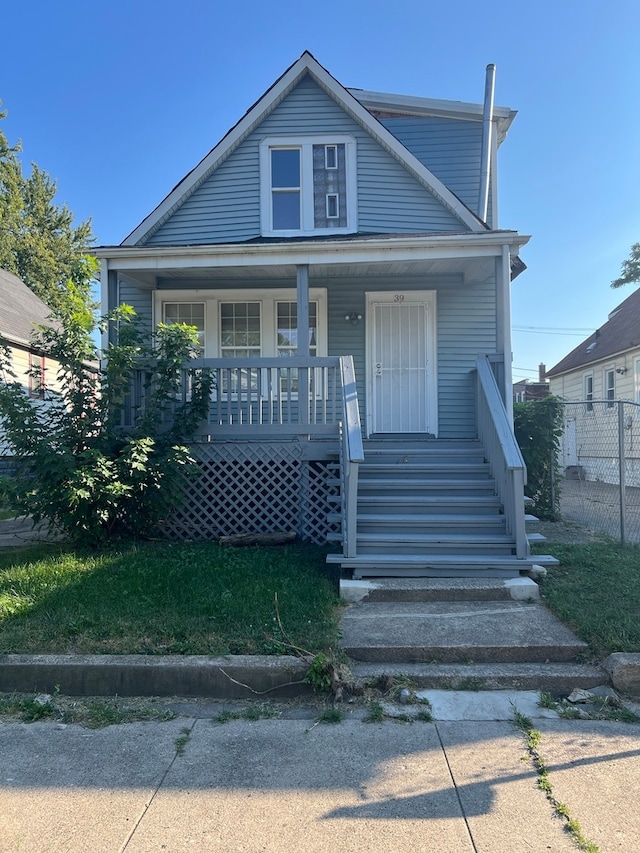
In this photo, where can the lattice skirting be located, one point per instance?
(254, 488)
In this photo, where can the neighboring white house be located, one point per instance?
(21, 311)
(601, 370)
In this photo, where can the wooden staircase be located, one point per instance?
(429, 508)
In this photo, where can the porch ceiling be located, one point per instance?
(470, 269)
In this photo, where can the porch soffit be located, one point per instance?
(469, 269)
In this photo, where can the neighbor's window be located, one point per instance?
(37, 369)
(588, 391)
(610, 387)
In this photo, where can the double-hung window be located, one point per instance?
(37, 371)
(610, 387)
(251, 324)
(588, 391)
(189, 313)
(308, 185)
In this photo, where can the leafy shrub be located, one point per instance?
(79, 468)
(538, 427)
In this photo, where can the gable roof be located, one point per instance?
(20, 310)
(306, 64)
(621, 332)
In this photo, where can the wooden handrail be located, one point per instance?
(503, 454)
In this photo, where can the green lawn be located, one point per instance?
(596, 591)
(166, 598)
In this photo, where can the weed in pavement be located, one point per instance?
(375, 713)
(533, 739)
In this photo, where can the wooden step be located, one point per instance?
(458, 521)
(426, 471)
(440, 565)
(404, 504)
(439, 486)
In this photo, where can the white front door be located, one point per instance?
(402, 384)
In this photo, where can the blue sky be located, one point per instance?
(119, 99)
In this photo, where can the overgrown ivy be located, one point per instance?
(538, 427)
(79, 468)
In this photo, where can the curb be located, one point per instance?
(228, 677)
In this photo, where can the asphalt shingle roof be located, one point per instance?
(618, 334)
(20, 309)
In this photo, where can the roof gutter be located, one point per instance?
(487, 127)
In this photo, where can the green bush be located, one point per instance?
(538, 427)
(79, 468)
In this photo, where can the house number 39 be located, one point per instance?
(399, 297)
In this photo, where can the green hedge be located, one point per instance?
(538, 427)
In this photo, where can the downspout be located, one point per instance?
(485, 152)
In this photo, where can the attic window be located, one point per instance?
(592, 346)
(308, 185)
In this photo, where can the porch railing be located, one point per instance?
(503, 454)
(351, 455)
(272, 398)
(259, 396)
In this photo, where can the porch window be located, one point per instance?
(287, 320)
(240, 337)
(263, 324)
(287, 342)
(189, 313)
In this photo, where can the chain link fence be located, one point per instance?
(600, 467)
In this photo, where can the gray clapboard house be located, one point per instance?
(339, 253)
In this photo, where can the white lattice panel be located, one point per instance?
(253, 488)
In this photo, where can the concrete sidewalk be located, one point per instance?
(192, 784)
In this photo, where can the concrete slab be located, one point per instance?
(274, 785)
(65, 788)
(484, 704)
(556, 678)
(225, 677)
(505, 809)
(439, 589)
(594, 768)
(449, 632)
(278, 785)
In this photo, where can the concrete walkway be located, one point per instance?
(195, 785)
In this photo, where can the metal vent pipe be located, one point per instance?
(487, 129)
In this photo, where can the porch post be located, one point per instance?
(302, 294)
(504, 296)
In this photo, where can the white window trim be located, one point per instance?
(636, 382)
(306, 143)
(334, 148)
(336, 215)
(267, 298)
(588, 403)
(610, 369)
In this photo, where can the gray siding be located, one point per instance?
(140, 299)
(466, 326)
(226, 207)
(451, 149)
